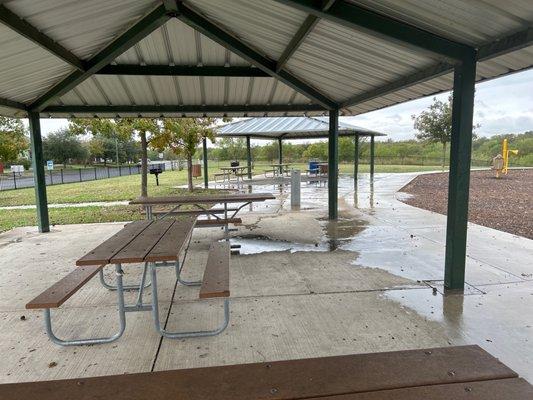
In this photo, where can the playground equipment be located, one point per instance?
(500, 163)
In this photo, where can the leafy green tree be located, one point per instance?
(61, 146)
(183, 136)
(435, 124)
(13, 139)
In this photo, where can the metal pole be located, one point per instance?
(15, 179)
(356, 160)
(79, 170)
(38, 172)
(280, 152)
(459, 177)
(95, 178)
(206, 173)
(116, 149)
(249, 157)
(333, 163)
(62, 180)
(372, 156)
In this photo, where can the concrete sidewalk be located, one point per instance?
(301, 287)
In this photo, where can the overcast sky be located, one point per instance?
(503, 105)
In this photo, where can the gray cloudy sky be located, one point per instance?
(503, 105)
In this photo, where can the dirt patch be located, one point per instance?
(505, 204)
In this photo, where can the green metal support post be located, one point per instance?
(356, 161)
(372, 145)
(206, 172)
(333, 163)
(37, 162)
(280, 152)
(249, 157)
(459, 177)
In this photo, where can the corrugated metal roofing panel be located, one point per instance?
(289, 127)
(342, 62)
(26, 70)
(266, 25)
(472, 22)
(81, 26)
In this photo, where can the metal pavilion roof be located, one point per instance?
(247, 57)
(289, 128)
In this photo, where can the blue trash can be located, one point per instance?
(313, 167)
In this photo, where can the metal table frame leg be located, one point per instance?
(78, 342)
(125, 287)
(181, 335)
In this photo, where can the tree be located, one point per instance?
(121, 129)
(13, 139)
(183, 136)
(435, 124)
(142, 127)
(61, 147)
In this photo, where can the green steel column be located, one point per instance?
(356, 160)
(249, 157)
(459, 177)
(372, 156)
(280, 152)
(333, 163)
(37, 162)
(206, 172)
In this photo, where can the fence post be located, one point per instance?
(62, 181)
(129, 167)
(119, 171)
(51, 178)
(108, 172)
(79, 170)
(15, 179)
(95, 177)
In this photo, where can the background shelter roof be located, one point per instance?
(111, 58)
(289, 128)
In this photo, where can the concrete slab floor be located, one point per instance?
(301, 287)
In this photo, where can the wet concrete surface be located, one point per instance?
(302, 286)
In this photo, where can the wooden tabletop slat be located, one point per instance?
(205, 198)
(500, 389)
(143, 243)
(216, 275)
(291, 379)
(104, 252)
(169, 247)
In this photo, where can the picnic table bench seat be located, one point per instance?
(450, 373)
(62, 290)
(215, 282)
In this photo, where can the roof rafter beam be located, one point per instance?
(219, 35)
(300, 35)
(117, 109)
(134, 34)
(357, 17)
(506, 44)
(12, 104)
(13, 21)
(180, 70)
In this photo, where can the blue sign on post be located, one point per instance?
(50, 165)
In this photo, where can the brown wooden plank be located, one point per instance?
(216, 275)
(173, 242)
(104, 252)
(141, 245)
(217, 222)
(62, 290)
(500, 389)
(294, 379)
(205, 198)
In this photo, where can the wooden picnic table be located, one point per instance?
(156, 243)
(448, 373)
(199, 203)
(228, 171)
(279, 168)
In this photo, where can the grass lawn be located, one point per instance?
(69, 215)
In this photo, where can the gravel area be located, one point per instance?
(505, 204)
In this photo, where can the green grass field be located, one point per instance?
(123, 188)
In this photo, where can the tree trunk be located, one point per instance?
(443, 156)
(144, 165)
(189, 172)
